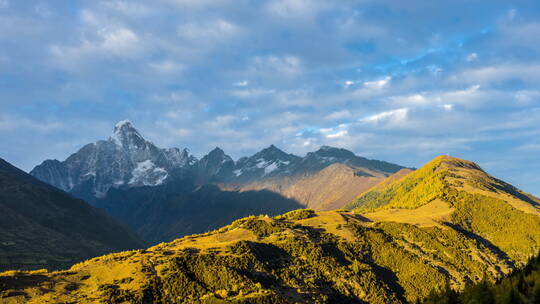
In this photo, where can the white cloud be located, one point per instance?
(120, 41)
(528, 73)
(434, 69)
(471, 57)
(108, 41)
(182, 132)
(326, 130)
(512, 13)
(43, 10)
(417, 98)
(470, 97)
(448, 107)
(17, 123)
(535, 147)
(462, 96)
(392, 116)
(130, 9)
(339, 115)
(242, 83)
(296, 9)
(209, 32)
(348, 83)
(338, 134)
(251, 93)
(377, 84)
(527, 97)
(199, 4)
(167, 66)
(221, 121)
(282, 65)
(335, 132)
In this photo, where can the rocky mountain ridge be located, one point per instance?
(128, 160)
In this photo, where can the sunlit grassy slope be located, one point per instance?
(479, 203)
(448, 222)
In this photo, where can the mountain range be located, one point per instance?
(127, 160)
(447, 224)
(166, 193)
(41, 226)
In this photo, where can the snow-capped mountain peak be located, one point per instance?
(126, 135)
(126, 159)
(270, 161)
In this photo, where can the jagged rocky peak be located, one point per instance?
(216, 156)
(126, 159)
(272, 153)
(217, 152)
(270, 161)
(127, 136)
(54, 172)
(216, 159)
(327, 151)
(215, 165)
(327, 155)
(180, 157)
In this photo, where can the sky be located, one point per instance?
(401, 81)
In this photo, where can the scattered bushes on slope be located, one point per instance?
(522, 287)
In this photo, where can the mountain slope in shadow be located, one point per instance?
(43, 227)
(180, 208)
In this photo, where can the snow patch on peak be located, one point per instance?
(121, 123)
(115, 139)
(270, 168)
(147, 174)
(261, 163)
(125, 135)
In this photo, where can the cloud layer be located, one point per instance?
(400, 81)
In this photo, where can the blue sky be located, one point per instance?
(401, 81)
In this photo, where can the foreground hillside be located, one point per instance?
(458, 193)
(41, 226)
(521, 287)
(388, 255)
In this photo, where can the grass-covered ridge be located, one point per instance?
(494, 211)
(411, 191)
(300, 257)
